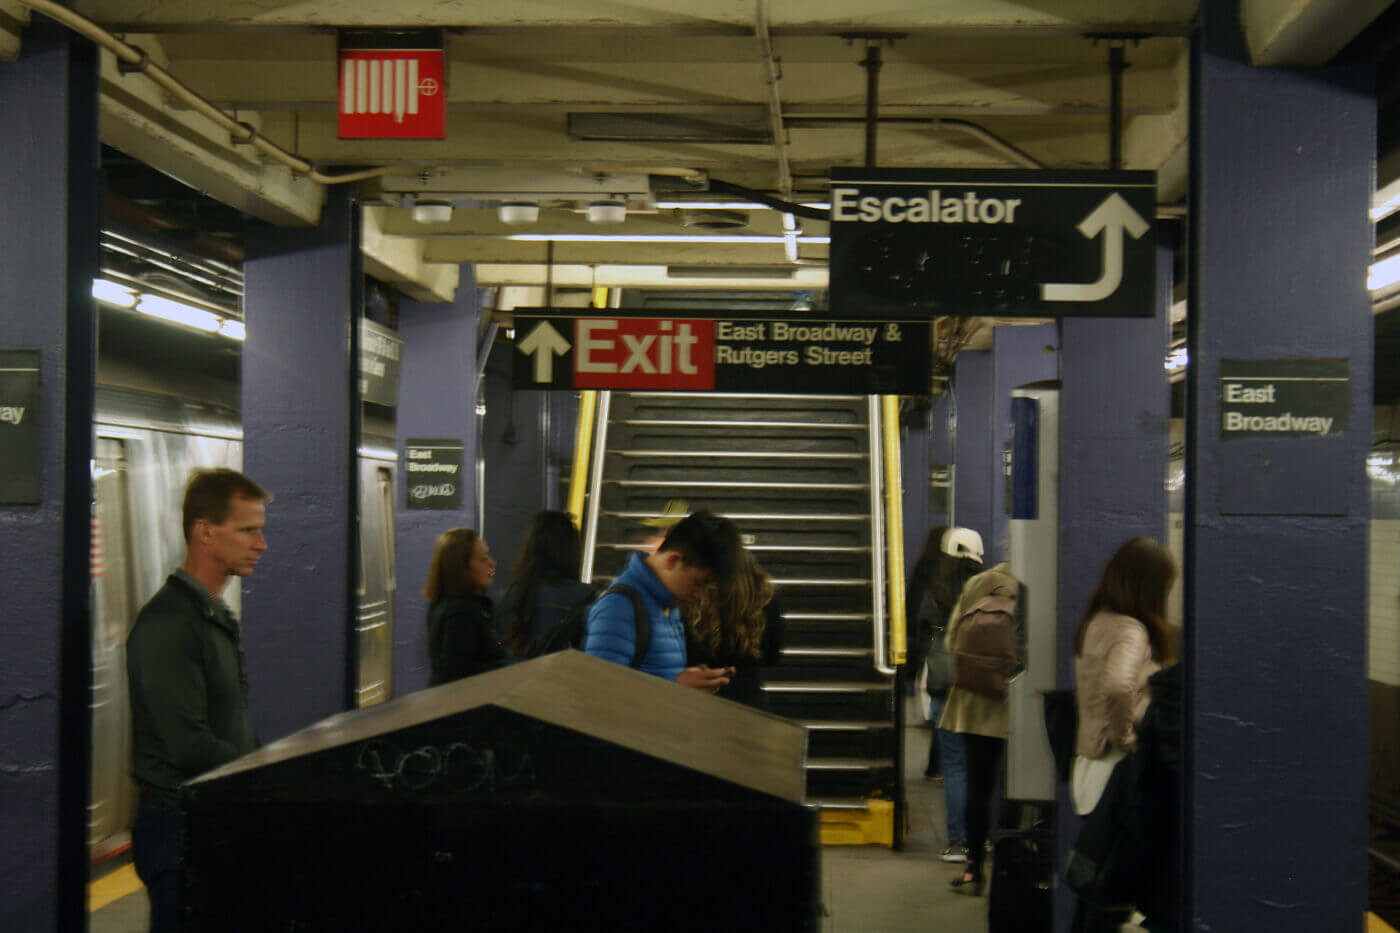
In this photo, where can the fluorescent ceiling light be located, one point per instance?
(1384, 274)
(1177, 360)
(233, 330)
(113, 293)
(180, 313)
(655, 238)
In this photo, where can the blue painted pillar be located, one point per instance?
(1282, 166)
(974, 464)
(50, 197)
(302, 296)
(1115, 411)
(1021, 354)
(437, 399)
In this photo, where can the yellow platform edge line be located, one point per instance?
(1375, 924)
(113, 887)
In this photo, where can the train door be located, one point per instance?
(112, 804)
(374, 620)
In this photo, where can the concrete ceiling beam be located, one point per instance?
(700, 16)
(13, 20)
(399, 261)
(135, 118)
(1300, 33)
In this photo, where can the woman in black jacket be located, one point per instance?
(544, 586)
(461, 632)
(739, 627)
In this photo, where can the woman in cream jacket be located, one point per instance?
(1122, 640)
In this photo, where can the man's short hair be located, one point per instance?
(704, 540)
(209, 495)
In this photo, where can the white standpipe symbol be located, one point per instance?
(1111, 218)
(544, 341)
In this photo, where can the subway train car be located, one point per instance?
(166, 405)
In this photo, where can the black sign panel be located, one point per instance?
(926, 242)
(433, 471)
(1284, 398)
(380, 349)
(19, 427)
(940, 488)
(708, 351)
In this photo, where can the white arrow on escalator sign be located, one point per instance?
(1111, 218)
(543, 343)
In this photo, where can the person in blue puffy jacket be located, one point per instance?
(698, 551)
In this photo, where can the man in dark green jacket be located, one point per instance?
(186, 673)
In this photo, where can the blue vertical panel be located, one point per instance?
(50, 198)
(1115, 409)
(1282, 166)
(437, 398)
(1025, 458)
(976, 467)
(300, 402)
(515, 455)
(1021, 355)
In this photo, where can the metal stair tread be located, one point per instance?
(848, 764)
(846, 725)
(716, 423)
(835, 651)
(826, 686)
(752, 516)
(839, 803)
(736, 454)
(689, 396)
(826, 616)
(743, 484)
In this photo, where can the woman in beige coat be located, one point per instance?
(1122, 640)
(982, 722)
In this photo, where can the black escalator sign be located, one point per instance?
(925, 242)
(707, 351)
(19, 427)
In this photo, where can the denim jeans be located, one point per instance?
(950, 749)
(155, 848)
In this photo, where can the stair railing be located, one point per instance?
(877, 537)
(595, 484)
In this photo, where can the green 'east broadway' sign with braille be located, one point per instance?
(1284, 398)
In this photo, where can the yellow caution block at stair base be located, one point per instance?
(873, 826)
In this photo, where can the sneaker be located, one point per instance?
(955, 852)
(934, 776)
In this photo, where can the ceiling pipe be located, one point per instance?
(771, 76)
(966, 127)
(872, 64)
(1116, 66)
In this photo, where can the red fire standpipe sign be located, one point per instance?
(392, 92)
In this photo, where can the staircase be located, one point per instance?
(795, 474)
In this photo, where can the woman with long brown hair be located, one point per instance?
(544, 586)
(738, 627)
(1122, 640)
(461, 634)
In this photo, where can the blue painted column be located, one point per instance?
(1282, 166)
(437, 399)
(914, 444)
(1115, 411)
(302, 296)
(50, 197)
(940, 453)
(1021, 355)
(974, 464)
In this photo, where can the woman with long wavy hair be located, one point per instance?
(544, 585)
(739, 628)
(461, 631)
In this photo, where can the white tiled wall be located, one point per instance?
(1384, 604)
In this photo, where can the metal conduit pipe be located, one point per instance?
(132, 58)
(966, 127)
(877, 538)
(894, 529)
(775, 100)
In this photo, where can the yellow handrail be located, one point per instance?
(894, 529)
(583, 435)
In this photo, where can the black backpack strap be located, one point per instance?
(641, 617)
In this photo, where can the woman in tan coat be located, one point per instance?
(982, 722)
(1122, 640)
